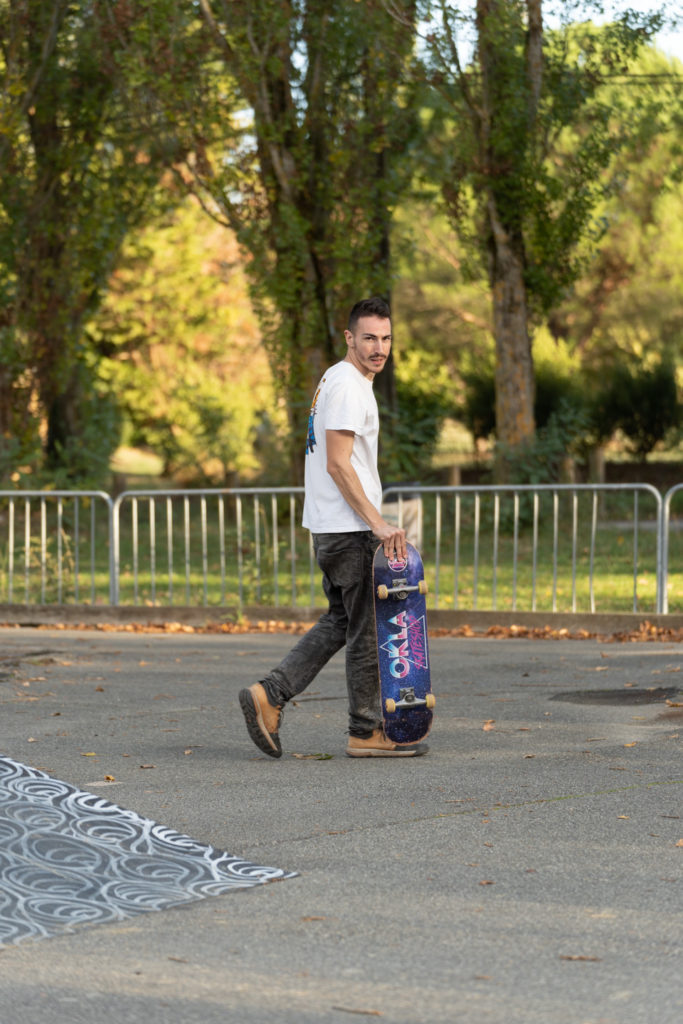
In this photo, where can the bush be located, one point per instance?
(408, 438)
(642, 403)
(542, 460)
(555, 391)
(478, 411)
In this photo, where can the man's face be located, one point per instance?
(369, 344)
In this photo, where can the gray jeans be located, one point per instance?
(346, 563)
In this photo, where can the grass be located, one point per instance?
(186, 556)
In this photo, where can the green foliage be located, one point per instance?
(626, 299)
(440, 303)
(542, 460)
(642, 403)
(298, 125)
(74, 178)
(19, 427)
(407, 446)
(626, 303)
(558, 402)
(557, 389)
(309, 178)
(178, 343)
(83, 456)
(528, 135)
(478, 411)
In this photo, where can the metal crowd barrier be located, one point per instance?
(53, 548)
(667, 534)
(189, 554)
(516, 507)
(520, 547)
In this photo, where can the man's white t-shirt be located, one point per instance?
(344, 400)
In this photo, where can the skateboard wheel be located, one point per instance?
(390, 706)
(430, 700)
(422, 586)
(382, 592)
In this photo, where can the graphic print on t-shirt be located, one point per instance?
(310, 437)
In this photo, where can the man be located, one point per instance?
(342, 510)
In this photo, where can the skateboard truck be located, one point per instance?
(407, 698)
(400, 590)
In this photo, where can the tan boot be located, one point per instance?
(262, 719)
(378, 745)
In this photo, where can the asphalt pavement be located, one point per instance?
(528, 870)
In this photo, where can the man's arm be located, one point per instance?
(339, 449)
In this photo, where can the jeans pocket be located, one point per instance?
(341, 557)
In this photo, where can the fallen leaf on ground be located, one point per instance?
(489, 725)
(362, 1013)
(89, 753)
(148, 766)
(644, 633)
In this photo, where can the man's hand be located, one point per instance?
(393, 539)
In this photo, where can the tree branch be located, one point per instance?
(215, 30)
(49, 43)
(534, 55)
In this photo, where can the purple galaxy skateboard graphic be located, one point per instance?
(401, 624)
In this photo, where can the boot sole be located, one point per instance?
(380, 752)
(267, 742)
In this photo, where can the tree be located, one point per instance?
(178, 342)
(74, 178)
(625, 305)
(308, 175)
(507, 164)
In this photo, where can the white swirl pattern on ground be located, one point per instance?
(68, 857)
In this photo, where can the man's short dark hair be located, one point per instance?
(375, 306)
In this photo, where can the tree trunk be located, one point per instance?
(505, 128)
(514, 366)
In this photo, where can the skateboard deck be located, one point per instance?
(401, 626)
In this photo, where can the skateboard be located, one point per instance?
(401, 627)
